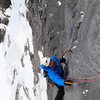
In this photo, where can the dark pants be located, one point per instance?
(60, 93)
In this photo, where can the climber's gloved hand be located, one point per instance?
(45, 73)
(69, 82)
(63, 60)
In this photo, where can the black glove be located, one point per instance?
(63, 60)
(69, 82)
(45, 73)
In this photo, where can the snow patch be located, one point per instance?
(41, 88)
(1, 14)
(8, 11)
(18, 80)
(2, 26)
(40, 53)
(5, 89)
(85, 91)
(59, 3)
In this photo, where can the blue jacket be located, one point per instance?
(55, 73)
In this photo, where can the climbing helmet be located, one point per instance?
(45, 61)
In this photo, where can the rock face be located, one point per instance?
(5, 3)
(84, 62)
(86, 54)
(74, 24)
(3, 18)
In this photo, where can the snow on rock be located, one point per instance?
(85, 91)
(8, 11)
(1, 14)
(17, 82)
(59, 3)
(42, 85)
(41, 88)
(40, 55)
(18, 78)
(2, 26)
(5, 89)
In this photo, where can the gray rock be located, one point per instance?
(75, 25)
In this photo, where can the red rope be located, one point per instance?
(94, 80)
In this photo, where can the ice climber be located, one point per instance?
(52, 66)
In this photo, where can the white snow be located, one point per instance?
(41, 88)
(16, 75)
(40, 55)
(81, 16)
(2, 26)
(5, 89)
(8, 12)
(59, 3)
(42, 84)
(1, 14)
(74, 47)
(85, 91)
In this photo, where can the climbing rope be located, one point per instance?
(92, 79)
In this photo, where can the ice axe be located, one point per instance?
(66, 52)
